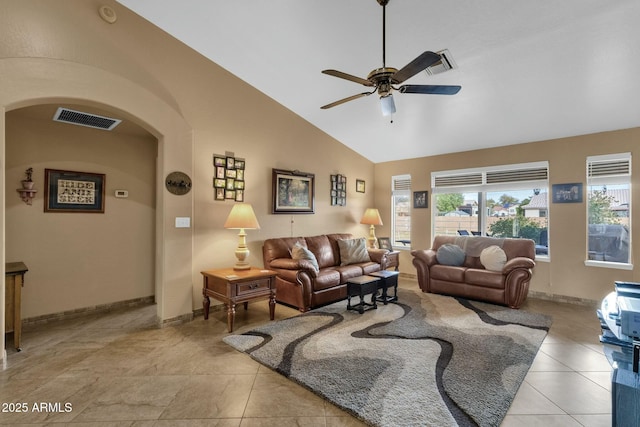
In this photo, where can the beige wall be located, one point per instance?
(78, 260)
(63, 52)
(566, 273)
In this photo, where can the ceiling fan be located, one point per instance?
(382, 80)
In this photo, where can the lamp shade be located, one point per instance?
(242, 216)
(371, 217)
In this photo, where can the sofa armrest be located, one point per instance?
(518, 262)
(426, 256)
(378, 255)
(294, 264)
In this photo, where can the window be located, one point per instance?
(608, 216)
(500, 201)
(401, 211)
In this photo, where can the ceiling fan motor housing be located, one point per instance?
(381, 78)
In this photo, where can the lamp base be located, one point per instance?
(373, 241)
(242, 266)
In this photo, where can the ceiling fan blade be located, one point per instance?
(342, 101)
(430, 89)
(340, 74)
(424, 60)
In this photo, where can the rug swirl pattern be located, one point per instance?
(429, 360)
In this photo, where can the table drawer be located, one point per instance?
(252, 287)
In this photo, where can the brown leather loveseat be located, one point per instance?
(505, 281)
(301, 284)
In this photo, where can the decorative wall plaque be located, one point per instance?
(178, 183)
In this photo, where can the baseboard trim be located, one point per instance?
(564, 299)
(78, 312)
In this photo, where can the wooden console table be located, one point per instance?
(234, 286)
(13, 283)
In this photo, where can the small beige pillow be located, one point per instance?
(300, 252)
(353, 251)
(493, 258)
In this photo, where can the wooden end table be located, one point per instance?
(234, 286)
(393, 259)
(13, 282)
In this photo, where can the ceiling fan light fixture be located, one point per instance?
(387, 104)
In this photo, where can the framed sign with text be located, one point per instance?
(68, 191)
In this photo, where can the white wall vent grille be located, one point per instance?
(79, 118)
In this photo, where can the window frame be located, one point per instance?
(405, 181)
(613, 171)
(497, 178)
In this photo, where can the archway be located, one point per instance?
(32, 81)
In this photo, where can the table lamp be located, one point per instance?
(372, 218)
(240, 218)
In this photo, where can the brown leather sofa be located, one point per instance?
(299, 285)
(471, 280)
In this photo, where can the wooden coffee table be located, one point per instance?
(234, 286)
(362, 286)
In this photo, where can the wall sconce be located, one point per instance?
(27, 193)
(240, 218)
(372, 218)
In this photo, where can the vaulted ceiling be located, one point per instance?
(529, 70)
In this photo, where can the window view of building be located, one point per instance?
(401, 211)
(608, 201)
(505, 201)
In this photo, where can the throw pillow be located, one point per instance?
(493, 258)
(300, 252)
(353, 251)
(450, 254)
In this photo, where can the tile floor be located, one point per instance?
(117, 369)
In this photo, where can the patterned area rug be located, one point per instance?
(428, 360)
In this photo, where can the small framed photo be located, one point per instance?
(420, 199)
(567, 193)
(231, 163)
(220, 172)
(231, 173)
(360, 185)
(230, 194)
(239, 195)
(230, 184)
(219, 194)
(238, 185)
(239, 164)
(219, 160)
(240, 174)
(219, 182)
(384, 243)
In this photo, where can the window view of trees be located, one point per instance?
(608, 201)
(515, 213)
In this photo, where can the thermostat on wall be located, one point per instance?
(122, 193)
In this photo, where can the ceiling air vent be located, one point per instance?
(66, 115)
(446, 63)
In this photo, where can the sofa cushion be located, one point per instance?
(327, 278)
(493, 258)
(484, 278)
(447, 273)
(322, 249)
(348, 271)
(449, 254)
(300, 252)
(353, 251)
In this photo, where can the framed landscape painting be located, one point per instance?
(293, 192)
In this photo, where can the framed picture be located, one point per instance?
(567, 193)
(68, 191)
(219, 160)
(360, 185)
(420, 199)
(293, 192)
(384, 243)
(219, 193)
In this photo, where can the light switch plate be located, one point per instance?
(183, 222)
